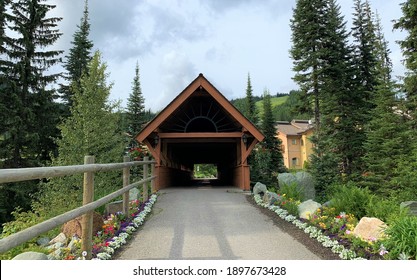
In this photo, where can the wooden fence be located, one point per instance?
(89, 169)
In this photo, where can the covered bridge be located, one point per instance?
(200, 126)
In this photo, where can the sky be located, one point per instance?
(175, 40)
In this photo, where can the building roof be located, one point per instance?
(293, 128)
(198, 87)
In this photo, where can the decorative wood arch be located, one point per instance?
(200, 126)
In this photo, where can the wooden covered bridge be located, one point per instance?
(200, 126)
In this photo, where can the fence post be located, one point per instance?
(153, 180)
(87, 220)
(126, 181)
(145, 176)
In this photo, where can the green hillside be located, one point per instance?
(275, 101)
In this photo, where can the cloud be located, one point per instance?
(177, 72)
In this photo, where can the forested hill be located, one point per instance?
(285, 106)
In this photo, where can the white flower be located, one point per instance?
(347, 254)
(103, 256)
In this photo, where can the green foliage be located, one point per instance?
(292, 190)
(92, 129)
(402, 238)
(136, 106)
(205, 171)
(250, 108)
(78, 57)
(28, 112)
(384, 209)
(350, 199)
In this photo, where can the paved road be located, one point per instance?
(205, 223)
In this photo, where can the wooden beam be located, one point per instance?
(200, 135)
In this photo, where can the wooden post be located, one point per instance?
(126, 181)
(153, 180)
(145, 176)
(87, 220)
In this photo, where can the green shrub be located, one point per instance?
(350, 199)
(402, 238)
(292, 191)
(384, 209)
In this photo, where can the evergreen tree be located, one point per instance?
(78, 58)
(408, 166)
(92, 129)
(136, 106)
(36, 114)
(28, 113)
(386, 128)
(250, 106)
(363, 32)
(324, 71)
(308, 27)
(268, 157)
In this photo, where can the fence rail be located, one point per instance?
(89, 169)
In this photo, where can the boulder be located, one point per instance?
(134, 194)
(260, 189)
(43, 241)
(306, 184)
(411, 205)
(370, 229)
(31, 256)
(74, 227)
(270, 198)
(286, 179)
(307, 208)
(60, 238)
(114, 207)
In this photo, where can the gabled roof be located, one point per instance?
(200, 83)
(294, 128)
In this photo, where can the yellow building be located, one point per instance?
(296, 145)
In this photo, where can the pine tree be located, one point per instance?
(78, 58)
(92, 129)
(308, 27)
(136, 106)
(386, 128)
(408, 165)
(36, 113)
(363, 32)
(323, 65)
(29, 113)
(250, 104)
(268, 159)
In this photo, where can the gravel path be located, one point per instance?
(204, 223)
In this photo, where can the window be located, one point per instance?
(294, 161)
(294, 141)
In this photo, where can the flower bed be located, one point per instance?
(328, 241)
(117, 229)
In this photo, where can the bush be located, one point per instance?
(350, 199)
(292, 191)
(384, 209)
(402, 238)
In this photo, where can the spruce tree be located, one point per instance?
(308, 27)
(136, 106)
(323, 65)
(268, 158)
(28, 111)
(78, 58)
(386, 128)
(36, 113)
(91, 129)
(250, 104)
(408, 166)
